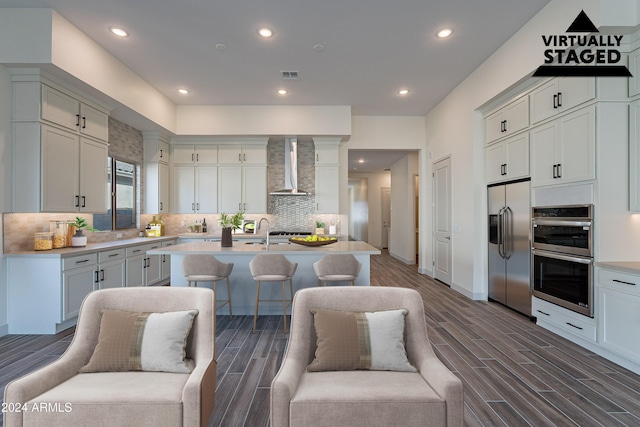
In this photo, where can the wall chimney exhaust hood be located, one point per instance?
(290, 170)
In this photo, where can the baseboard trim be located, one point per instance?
(4, 330)
(403, 260)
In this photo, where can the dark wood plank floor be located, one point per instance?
(514, 372)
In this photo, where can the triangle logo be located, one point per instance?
(582, 24)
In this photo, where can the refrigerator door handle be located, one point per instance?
(506, 233)
(501, 232)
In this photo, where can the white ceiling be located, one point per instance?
(374, 161)
(372, 48)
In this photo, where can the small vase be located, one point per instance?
(78, 240)
(227, 241)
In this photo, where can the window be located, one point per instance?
(122, 183)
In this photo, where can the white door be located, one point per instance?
(442, 220)
(386, 216)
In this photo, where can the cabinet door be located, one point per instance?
(543, 154)
(166, 261)
(163, 188)
(135, 268)
(112, 274)
(94, 176)
(254, 154)
(575, 91)
(327, 155)
(183, 154)
(206, 154)
(495, 162)
(230, 154)
(153, 266)
(577, 142)
(327, 189)
(182, 189)
(59, 171)
(517, 115)
(230, 189)
(543, 103)
(206, 189)
(517, 156)
(619, 320)
(254, 189)
(76, 285)
(60, 108)
(94, 122)
(494, 126)
(162, 155)
(634, 68)
(634, 155)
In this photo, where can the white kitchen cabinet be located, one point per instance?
(165, 261)
(327, 197)
(508, 159)
(567, 323)
(560, 95)
(563, 150)
(60, 150)
(194, 189)
(201, 154)
(619, 312)
(508, 120)
(634, 68)
(153, 267)
(156, 173)
(634, 156)
(111, 272)
(243, 188)
(64, 110)
(143, 269)
(78, 280)
(242, 154)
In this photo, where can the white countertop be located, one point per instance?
(632, 267)
(243, 248)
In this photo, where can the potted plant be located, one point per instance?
(319, 227)
(229, 223)
(79, 240)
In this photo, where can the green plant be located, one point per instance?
(319, 224)
(231, 221)
(81, 223)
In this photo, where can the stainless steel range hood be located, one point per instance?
(290, 170)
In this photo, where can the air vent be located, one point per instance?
(289, 75)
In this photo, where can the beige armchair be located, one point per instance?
(134, 398)
(432, 396)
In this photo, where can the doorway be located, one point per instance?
(442, 220)
(385, 198)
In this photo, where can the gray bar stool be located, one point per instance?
(273, 268)
(337, 268)
(207, 268)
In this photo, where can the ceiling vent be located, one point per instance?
(289, 75)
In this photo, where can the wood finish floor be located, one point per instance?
(514, 372)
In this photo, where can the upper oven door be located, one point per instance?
(557, 235)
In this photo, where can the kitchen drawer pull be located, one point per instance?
(84, 202)
(136, 250)
(84, 123)
(112, 255)
(559, 99)
(102, 275)
(82, 261)
(555, 171)
(559, 170)
(546, 314)
(95, 277)
(623, 282)
(574, 326)
(77, 119)
(555, 101)
(77, 201)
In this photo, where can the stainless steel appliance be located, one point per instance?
(510, 245)
(562, 256)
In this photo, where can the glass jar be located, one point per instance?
(59, 230)
(43, 241)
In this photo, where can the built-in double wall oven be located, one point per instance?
(562, 256)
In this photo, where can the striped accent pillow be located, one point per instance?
(348, 341)
(131, 341)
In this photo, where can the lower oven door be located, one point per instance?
(562, 279)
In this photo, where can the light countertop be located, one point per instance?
(244, 248)
(632, 267)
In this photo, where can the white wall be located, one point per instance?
(455, 127)
(375, 182)
(358, 209)
(5, 181)
(403, 231)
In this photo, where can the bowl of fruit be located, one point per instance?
(313, 240)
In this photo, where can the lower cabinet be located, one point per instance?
(559, 319)
(111, 269)
(78, 280)
(146, 270)
(619, 308)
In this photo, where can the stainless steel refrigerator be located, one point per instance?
(510, 245)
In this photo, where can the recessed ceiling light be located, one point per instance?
(265, 32)
(118, 32)
(360, 160)
(282, 92)
(220, 46)
(403, 92)
(183, 91)
(318, 48)
(444, 32)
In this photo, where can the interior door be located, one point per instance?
(386, 215)
(442, 220)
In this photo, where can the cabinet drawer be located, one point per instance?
(621, 281)
(111, 255)
(568, 321)
(79, 261)
(136, 250)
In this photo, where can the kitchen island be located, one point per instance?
(243, 287)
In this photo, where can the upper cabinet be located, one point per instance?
(634, 68)
(194, 155)
(508, 120)
(327, 175)
(242, 154)
(60, 149)
(156, 173)
(508, 159)
(559, 95)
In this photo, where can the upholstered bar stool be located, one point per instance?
(337, 268)
(207, 268)
(273, 268)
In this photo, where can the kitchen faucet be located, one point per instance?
(266, 248)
